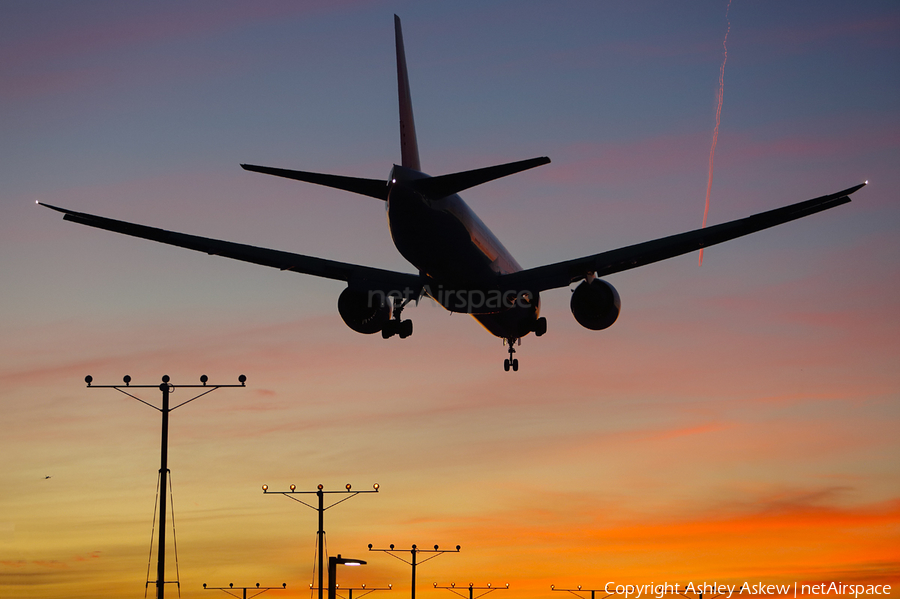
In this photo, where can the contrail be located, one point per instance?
(712, 150)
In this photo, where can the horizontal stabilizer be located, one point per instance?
(446, 185)
(373, 188)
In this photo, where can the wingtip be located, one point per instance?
(40, 203)
(855, 188)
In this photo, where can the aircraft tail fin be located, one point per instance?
(409, 147)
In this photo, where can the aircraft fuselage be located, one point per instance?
(459, 255)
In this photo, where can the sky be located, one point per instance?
(738, 423)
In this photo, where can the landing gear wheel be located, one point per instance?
(395, 326)
(506, 365)
(515, 365)
(404, 329)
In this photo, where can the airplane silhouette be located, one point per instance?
(461, 264)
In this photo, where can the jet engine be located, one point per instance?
(595, 304)
(364, 311)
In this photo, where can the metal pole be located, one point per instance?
(163, 471)
(332, 575)
(414, 551)
(321, 534)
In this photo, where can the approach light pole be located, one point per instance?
(578, 590)
(166, 388)
(414, 551)
(668, 589)
(320, 535)
(472, 588)
(366, 590)
(231, 587)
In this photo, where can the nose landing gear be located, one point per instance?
(511, 362)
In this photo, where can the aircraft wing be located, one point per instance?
(562, 274)
(372, 278)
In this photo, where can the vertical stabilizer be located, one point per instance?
(409, 147)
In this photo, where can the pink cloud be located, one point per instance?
(880, 32)
(35, 68)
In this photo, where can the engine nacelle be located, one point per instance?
(595, 305)
(362, 311)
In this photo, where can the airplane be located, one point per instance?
(461, 265)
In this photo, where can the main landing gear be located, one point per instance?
(511, 362)
(395, 326)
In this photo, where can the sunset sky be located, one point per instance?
(739, 422)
